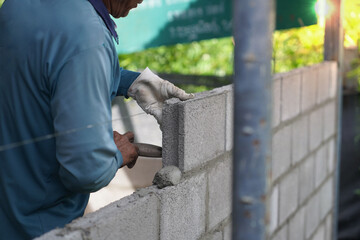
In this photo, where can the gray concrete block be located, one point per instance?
(220, 192)
(320, 165)
(214, 236)
(323, 81)
(282, 234)
(290, 93)
(288, 195)
(184, 202)
(121, 220)
(227, 231)
(312, 217)
(331, 155)
(170, 133)
(297, 225)
(309, 88)
(59, 234)
(329, 119)
(326, 198)
(276, 102)
(274, 209)
(300, 138)
(320, 233)
(328, 227)
(306, 179)
(333, 79)
(316, 128)
(201, 130)
(229, 119)
(281, 152)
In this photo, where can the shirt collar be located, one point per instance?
(104, 14)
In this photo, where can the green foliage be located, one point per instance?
(355, 72)
(292, 49)
(352, 34)
(210, 57)
(351, 22)
(296, 48)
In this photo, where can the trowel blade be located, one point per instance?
(149, 150)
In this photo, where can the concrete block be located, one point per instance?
(220, 192)
(282, 234)
(170, 133)
(288, 195)
(316, 128)
(281, 151)
(201, 130)
(184, 202)
(333, 79)
(326, 198)
(328, 227)
(121, 220)
(331, 155)
(276, 106)
(306, 179)
(320, 233)
(312, 217)
(329, 120)
(274, 209)
(290, 93)
(227, 231)
(297, 225)
(323, 81)
(309, 88)
(229, 119)
(320, 165)
(60, 234)
(300, 139)
(214, 236)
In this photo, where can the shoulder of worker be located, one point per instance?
(66, 26)
(79, 25)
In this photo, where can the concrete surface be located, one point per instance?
(183, 209)
(220, 177)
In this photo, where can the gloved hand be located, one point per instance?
(150, 92)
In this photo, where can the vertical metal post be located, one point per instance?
(333, 51)
(253, 24)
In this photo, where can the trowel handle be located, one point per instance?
(149, 150)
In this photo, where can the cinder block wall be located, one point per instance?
(304, 153)
(197, 138)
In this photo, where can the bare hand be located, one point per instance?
(128, 150)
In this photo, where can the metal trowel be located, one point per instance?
(149, 150)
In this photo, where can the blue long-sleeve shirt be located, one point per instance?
(59, 72)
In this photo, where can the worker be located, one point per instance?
(59, 72)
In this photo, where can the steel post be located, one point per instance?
(253, 24)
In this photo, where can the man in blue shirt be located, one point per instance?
(59, 72)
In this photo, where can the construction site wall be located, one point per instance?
(194, 201)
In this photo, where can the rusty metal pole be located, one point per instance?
(333, 51)
(253, 24)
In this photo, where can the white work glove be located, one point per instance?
(150, 93)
